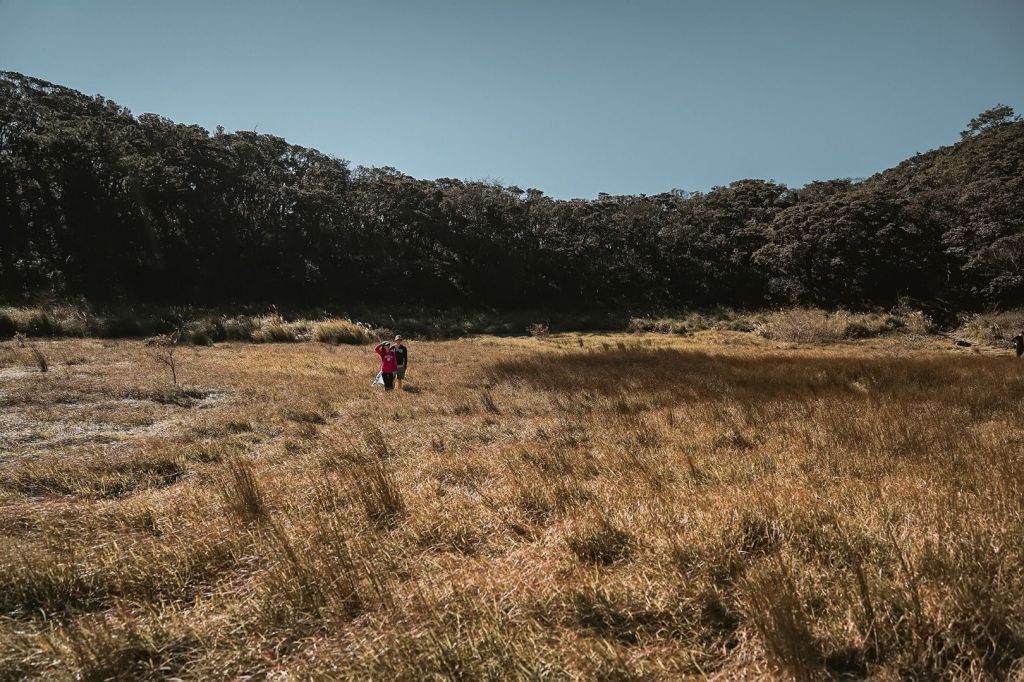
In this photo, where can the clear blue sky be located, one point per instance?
(572, 97)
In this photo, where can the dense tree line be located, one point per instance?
(99, 203)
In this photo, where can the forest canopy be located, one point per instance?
(99, 203)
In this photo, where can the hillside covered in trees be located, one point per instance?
(99, 203)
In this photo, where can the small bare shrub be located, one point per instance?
(164, 350)
(537, 329)
(40, 359)
(37, 355)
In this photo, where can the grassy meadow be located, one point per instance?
(573, 506)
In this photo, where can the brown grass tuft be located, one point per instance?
(377, 491)
(600, 541)
(242, 493)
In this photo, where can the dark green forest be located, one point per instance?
(98, 203)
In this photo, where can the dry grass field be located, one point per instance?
(569, 507)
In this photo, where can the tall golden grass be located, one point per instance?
(636, 506)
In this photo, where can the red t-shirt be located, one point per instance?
(387, 359)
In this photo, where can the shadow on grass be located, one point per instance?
(979, 381)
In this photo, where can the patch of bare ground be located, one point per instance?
(630, 506)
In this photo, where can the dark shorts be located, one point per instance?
(401, 372)
(389, 380)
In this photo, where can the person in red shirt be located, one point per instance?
(388, 364)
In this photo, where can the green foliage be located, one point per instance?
(990, 118)
(100, 203)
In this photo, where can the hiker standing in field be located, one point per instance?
(388, 364)
(402, 360)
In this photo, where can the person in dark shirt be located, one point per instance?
(402, 360)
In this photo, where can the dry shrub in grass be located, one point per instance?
(377, 491)
(164, 349)
(600, 541)
(664, 325)
(631, 613)
(96, 475)
(366, 445)
(168, 394)
(274, 329)
(537, 329)
(41, 361)
(783, 620)
(339, 331)
(56, 575)
(312, 574)
(315, 411)
(805, 326)
(995, 329)
(121, 646)
(320, 571)
(539, 487)
(452, 530)
(487, 399)
(444, 636)
(242, 494)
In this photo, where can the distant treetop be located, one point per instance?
(1000, 114)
